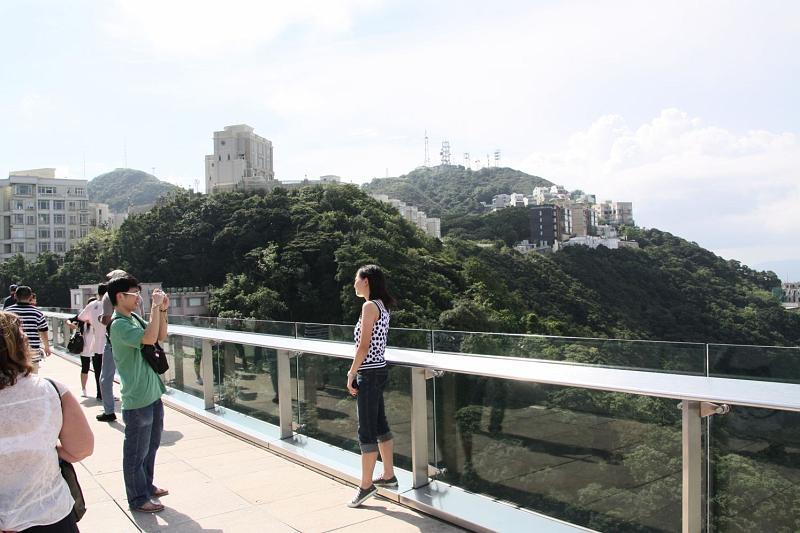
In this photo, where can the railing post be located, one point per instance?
(419, 428)
(207, 372)
(692, 467)
(285, 393)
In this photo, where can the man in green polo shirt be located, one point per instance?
(142, 410)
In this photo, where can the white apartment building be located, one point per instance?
(242, 161)
(42, 213)
(431, 226)
(615, 213)
(791, 292)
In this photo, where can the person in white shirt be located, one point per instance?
(94, 341)
(37, 427)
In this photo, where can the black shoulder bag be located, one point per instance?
(153, 353)
(76, 341)
(70, 476)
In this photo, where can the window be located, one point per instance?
(59, 233)
(84, 232)
(59, 219)
(58, 205)
(19, 218)
(71, 206)
(47, 190)
(73, 234)
(19, 205)
(44, 247)
(83, 205)
(44, 205)
(44, 218)
(73, 220)
(23, 189)
(44, 233)
(84, 218)
(18, 233)
(195, 301)
(175, 302)
(80, 191)
(60, 247)
(19, 247)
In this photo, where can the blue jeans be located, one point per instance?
(142, 437)
(107, 371)
(372, 425)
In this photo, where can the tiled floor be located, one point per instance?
(219, 483)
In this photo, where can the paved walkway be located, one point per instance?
(218, 482)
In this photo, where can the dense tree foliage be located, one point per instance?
(454, 190)
(126, 187)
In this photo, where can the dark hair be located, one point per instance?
(12, 287)
(15, 358)
(118, 285)
(102, 289)
(377, 284)
(23, 292)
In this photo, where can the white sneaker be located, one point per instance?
(83, 394)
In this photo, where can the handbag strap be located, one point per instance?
(58, 392)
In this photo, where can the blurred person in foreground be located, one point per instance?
(40, 422)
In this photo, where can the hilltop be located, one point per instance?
(453, 190)
(124, 187)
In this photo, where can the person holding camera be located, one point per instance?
(141, 388)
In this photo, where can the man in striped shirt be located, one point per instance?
(34, 325)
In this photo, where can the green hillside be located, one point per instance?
(124, 187)
(454, 190)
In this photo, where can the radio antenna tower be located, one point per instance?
(497, 157)
(445, 153)
(427, 153)
(467, 165)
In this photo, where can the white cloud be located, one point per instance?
(731, 192)
(209, 28)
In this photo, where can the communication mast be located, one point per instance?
(445, 153)
(427, 153)
(467, 164)
(497, 157)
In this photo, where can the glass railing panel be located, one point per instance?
(324, 410)
(755, 471)
(686, 358)
(418, 339)
(184, 355)
(246, 380)
(607, 461)
(764, 363)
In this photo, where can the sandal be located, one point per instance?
(149, 507)
(160, 492)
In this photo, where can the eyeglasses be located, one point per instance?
(137, 294)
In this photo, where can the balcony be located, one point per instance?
(518, 432)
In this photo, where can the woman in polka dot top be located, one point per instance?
(367, 379)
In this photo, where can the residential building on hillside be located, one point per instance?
(431, 226)
(614, 213)
(42, 213)
(791, 292)
(546, 225)
(242, 161)
(578, 220)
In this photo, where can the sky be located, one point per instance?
(687, 109)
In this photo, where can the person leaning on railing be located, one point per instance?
(36, 429)
(367, 379)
